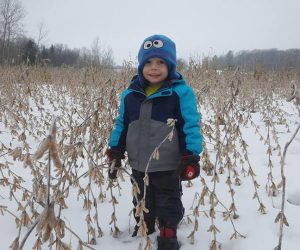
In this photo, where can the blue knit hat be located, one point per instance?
(158, 46)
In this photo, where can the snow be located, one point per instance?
(260, 230)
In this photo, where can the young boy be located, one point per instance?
(156, 94)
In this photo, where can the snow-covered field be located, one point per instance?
(260, 231)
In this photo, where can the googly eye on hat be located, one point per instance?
(158, 46)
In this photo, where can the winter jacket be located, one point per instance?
(142, 125)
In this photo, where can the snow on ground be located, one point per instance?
(260, 230)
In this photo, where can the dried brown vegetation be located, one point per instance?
(70, 112)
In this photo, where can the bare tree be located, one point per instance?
(11, 14)
(42, 34)
(100, 55)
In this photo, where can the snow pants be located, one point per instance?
(163, 198)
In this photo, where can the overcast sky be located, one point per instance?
(199, 27)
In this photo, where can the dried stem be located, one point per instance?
(281, 216)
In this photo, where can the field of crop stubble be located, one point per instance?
(54, 190)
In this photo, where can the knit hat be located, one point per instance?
(158, 46)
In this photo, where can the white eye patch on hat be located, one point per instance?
(155, 43)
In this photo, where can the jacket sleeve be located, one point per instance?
(118, 136)
(188, 122)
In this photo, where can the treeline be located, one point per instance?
(16, 48)
(271, 59)
(26, 51)
(60, 55)
(23, 50)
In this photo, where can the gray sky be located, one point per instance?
(199, 27)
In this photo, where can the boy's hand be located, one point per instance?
(189, 167)
(114, 158)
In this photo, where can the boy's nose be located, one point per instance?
(154, 66)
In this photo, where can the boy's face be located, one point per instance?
(155, 71)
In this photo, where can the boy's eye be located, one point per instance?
(158, 43)
(147, 45)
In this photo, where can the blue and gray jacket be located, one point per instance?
(142, 125)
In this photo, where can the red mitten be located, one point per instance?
(189, 167)
(190, 172)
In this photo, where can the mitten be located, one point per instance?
(189, 167)
(114, 158)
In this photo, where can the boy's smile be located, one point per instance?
(155, 71)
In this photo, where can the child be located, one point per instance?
(156, 94)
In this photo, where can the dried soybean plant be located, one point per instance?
(281, 216)
(223, 126)
(73, 152)
(228, 122)
(47, 222)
